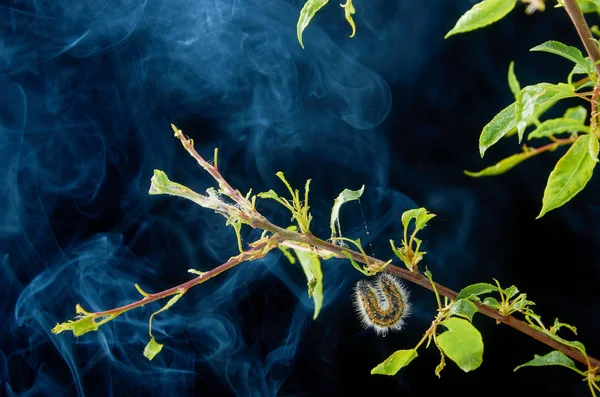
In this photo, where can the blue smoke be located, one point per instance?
(88, 91)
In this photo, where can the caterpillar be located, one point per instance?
(382, 305)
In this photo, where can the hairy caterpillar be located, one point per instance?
(383, 304)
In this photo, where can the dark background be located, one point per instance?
(87, 92)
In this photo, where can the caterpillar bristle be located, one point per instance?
(382, 304)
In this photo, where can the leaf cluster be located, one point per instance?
(409, 252)
(574, 169)
(310, 9)
(461, 342)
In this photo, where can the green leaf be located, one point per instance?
(533, 100)
(571, 173)
(578, 113)
(423, 217)
(395, 362)
(511, 291)
(587, 6)
(160, 184)
(306, 14)
(348, 12)
(270, 194)
(440, 366)
(401, 253)
(281, 176)
(312, 269)
(482, 14)
(557, 126)
(586, 68)
(558, 325)
(345, 196)
(575, 344)
(420, 215)
(555, 47)
(553, 358)
(503, 166)
(464, 308)
(593, 147)
(462, 343)
(520, 303)
(84, 326)
(152, 349)
(476, 290)
(357, 266)
(503, 123)
(491, 302)
(78, 327)
(286, 252)
(513, 83)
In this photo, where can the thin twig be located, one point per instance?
(257, 252)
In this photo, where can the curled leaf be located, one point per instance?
(314, 275)
(345, 196)
(78, 327)
(306, 15)
(348, 12)
(356, 265)
(288, 254)
(593, 147)
(420, 215)
(440, 366)
(513, 83)
(152, 349)
(161, 184)
(502, 166)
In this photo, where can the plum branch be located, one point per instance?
(241, 210)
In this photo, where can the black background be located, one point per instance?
(87, 92)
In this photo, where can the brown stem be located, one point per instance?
(584, 32)
(554, 145)
(234, 194)
(258, 251)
